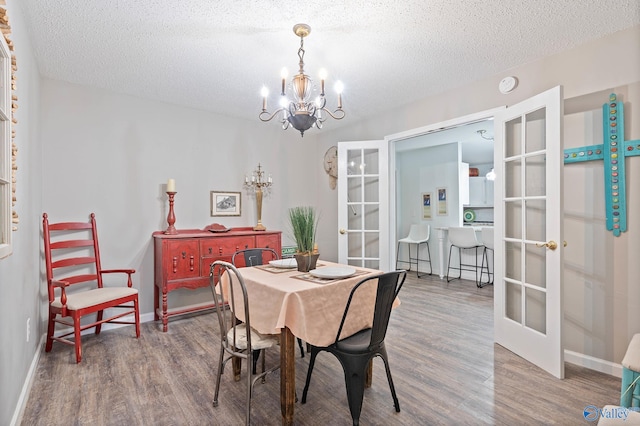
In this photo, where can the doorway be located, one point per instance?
(427, 159)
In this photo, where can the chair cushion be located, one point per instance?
(356, 343)
(84, 299)
(631, 359)
(258, 341)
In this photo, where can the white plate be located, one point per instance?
(284, 263)
(333, 272)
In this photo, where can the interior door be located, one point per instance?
(528, 230)
(363, 204)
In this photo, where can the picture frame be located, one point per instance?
(442, 201)
(426, 205)
(226, 203)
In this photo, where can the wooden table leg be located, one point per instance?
(287, 376)
(236, 363)
(368, 377)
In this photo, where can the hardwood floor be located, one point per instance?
(445, 367)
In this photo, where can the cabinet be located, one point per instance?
(480, 192)
(183, 261)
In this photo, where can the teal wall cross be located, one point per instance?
(613, 152)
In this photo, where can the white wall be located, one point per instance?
(20, 279)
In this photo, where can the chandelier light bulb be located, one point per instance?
(284, 73)
(339, 87)
(265, 93)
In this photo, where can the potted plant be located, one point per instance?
(304, 224)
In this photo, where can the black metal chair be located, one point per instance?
(237, 338)
(256, 257)
(253, 257)
(356, 351)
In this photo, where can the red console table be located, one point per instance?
(183, 260)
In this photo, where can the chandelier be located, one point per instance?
(300, 111)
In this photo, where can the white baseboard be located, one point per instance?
(592, 363)
(26, 387)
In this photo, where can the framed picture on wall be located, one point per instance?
(426, 205)
(225, 203)
(442, 201)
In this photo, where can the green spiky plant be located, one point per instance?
(304, 224)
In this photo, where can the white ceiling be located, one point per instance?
(216, 55)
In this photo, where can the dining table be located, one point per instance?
(307, 305)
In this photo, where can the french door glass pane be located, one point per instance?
(513, 219)
(371, 241)
(372, 217)
(513, 300)
(354, 162)
(536, 219)
(513, 137)
(370, 166)
(512, 178)
(535, 265)
(355, 244)
(354, 189)
(535, 138)
(535, 175)
(371, 189)
(536, 311)
(513, 261)
(355, 218)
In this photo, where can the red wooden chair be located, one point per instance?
(75, 283)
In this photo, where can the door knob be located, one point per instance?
(551, 245)
(342, 231)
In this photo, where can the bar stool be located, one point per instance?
(629, 390)
(464, 238)
(418, 234)
(486, 235)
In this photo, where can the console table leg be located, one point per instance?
(156, 303)
(165, 317)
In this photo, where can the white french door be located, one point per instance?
(528, 161)
(363, 204)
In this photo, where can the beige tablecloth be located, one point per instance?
(311, 311)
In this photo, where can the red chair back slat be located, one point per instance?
(65, 250)
(56, 245)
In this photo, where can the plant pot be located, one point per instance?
(305, 261)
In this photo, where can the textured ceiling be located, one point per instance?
(216, 55)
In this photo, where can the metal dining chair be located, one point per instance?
(257, 257)
(356, 351)
(237, 338)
